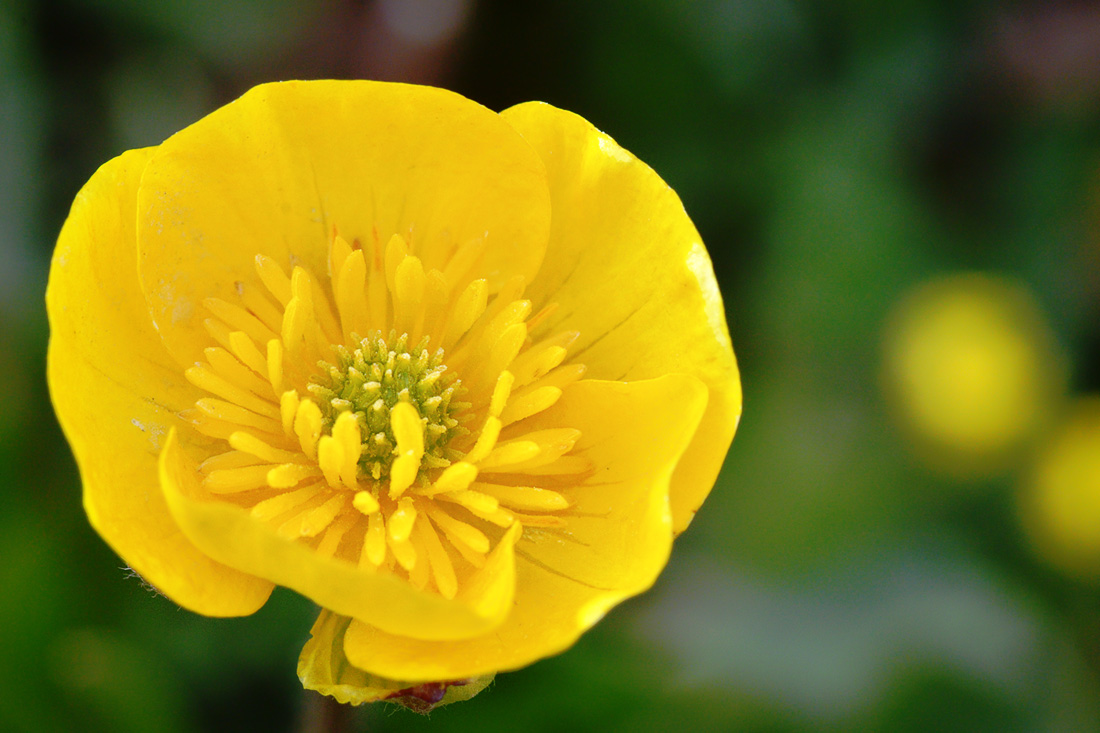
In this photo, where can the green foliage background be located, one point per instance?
(831, 154)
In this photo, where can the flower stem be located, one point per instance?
(324, 715)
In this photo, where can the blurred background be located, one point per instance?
(901, 202)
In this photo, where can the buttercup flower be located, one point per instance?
(458, 377)
(972, 370)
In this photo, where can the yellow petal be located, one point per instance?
(230, 535)
(116, 392)
(630, 273)
(614, 545)
(274, 171)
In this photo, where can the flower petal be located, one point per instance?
(323, 667)
(275, 171)
(116, 392)
(617, 540)
(232, 536)
(620, 231)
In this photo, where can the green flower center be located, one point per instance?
(372, 379)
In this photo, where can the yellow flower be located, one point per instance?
(457, 377)
(1059, 501)
(972, 369)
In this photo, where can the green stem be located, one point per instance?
(324, 715)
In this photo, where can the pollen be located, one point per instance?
(368, 381)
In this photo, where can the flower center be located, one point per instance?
(383, 457)
(372, 379)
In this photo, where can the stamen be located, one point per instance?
(374, 545)
(403, 551)
(209, 381)
(275, 364)
(351, 296)
(335, 533)
(307, 426)
(458, 531)
(529, 402)
(485, 442)
(526, 497)
(468, 308)
(290, 474)
(274, 279)
(232, 413)
(500, 393)
(365, 502)
(245, 349)
(249, 443)
(229, 368)
(276, 506)
(408, 294)
(317, 520)
(234, 480)
(402, 520)
(238, 319)
(396, 252)
(330, 456)
(443, 570)
(456, 477)
(409, 432)
(229, 459)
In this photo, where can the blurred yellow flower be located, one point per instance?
(457, 377)
(1060, 500)
(972, 370)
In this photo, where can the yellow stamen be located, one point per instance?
(346, 432)
(339, 251)
(330, 456)
(249, 443)
(401, 521)
(307, 426)
(335, 533)
(288, 409)
(275, 364)
(351, 297)
(501, 391)
(408, 294)
(318, 519)
(229, 459)
(443, 570)
(473, 500)
(289, 474)
(458, 531)
(374, 545)
(404, 552)
(234, 480)
(396, 252)
(277, 506)
(207, 380)
(509, 454)
(529, 402)
(274, 279)
(485, 442)
(365, 502)
(232, 413)
(260, 306)
(227, 366)
(245, 349)
(526, 497)
(409, 433)
(468, 308)
(455, 477)
(238, 319)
